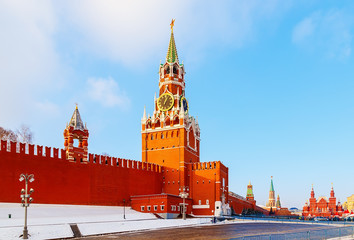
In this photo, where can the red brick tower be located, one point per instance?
(313, 202)
(332, 202)
(170, 137)
(250, 196)
(76, 130)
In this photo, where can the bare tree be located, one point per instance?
(24, 134)
(6, 134)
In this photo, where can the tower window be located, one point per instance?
(152, 137)
(162, 136)
(168, 70)
(174, 70)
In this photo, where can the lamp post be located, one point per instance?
(183, 194)
(26, 198)
(124, 208)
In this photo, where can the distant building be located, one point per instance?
(274, 207)
(271, 201)
(349, 204)
(322, 207)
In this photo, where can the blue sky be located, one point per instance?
(270, 81)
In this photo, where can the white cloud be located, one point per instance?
(132, 31)
(107, 92)
(47, 108)
(28, 59)
(327, 32)
(303, 30)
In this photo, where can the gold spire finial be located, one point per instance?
(172, 24)
(76, 106)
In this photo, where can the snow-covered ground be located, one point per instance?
(53, 221)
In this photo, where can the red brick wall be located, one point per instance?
(239, 204)
(59, 181)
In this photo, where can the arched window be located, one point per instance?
(174, 70)
(162, 136)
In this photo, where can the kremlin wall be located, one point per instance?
(170, 163)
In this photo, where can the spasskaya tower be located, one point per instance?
(170, 136)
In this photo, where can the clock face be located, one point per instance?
(184, 104)
(165, 102)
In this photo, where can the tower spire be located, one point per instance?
(332, 192)
(271, 184)
(312, 192)
(172, 50)
(144, 115)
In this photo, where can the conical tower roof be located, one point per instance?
(76, 121)
(172, 50)
(278, 202)
(271, 185)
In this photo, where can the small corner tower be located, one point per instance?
(278, 205)
(76, 130)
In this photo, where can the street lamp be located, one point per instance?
(183, 194)
(26, 198)
(124, 208)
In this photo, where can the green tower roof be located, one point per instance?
(278, 205)
(172, 50)
(271, 185)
